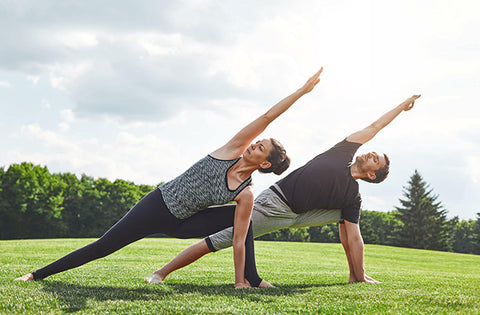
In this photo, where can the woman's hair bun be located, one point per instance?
(278, 159)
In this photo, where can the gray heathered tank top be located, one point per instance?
(202, 185)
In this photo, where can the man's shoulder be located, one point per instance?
(346, 144)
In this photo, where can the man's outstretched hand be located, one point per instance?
(409, 102)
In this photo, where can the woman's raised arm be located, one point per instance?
(239, 143)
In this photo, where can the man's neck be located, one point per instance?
(355, 172)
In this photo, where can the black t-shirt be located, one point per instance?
(325, 182)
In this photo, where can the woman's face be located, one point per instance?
(259, 151)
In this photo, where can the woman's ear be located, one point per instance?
(265, 164)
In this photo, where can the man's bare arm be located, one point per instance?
(356, 247)
(344, 239)
(369, 132)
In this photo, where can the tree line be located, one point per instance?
(37, 204)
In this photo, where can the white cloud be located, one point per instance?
(48, 138)
(67, 115)
(5, 84)
(63, 75)
(63, 127)
(375, 203)
(46, 104)
(73, 39)
(33, 78)
(473, 168)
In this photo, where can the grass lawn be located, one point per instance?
(310, 278)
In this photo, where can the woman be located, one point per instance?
(174, 208)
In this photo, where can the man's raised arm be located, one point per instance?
(369, 132)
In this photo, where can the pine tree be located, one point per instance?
(423, 217)
(476, 236)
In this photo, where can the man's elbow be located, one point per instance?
(374, 128)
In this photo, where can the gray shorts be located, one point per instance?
(270, 213)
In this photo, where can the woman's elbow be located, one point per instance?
(238, 243)
(268, 117)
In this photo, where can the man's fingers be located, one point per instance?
(316, 75)
(410, 106)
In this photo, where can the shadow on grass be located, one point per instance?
(76, 296)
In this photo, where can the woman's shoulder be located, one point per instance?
(224, 155)
(227, 152)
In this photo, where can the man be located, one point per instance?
(324, 190)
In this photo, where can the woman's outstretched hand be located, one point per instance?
(409, 102)
(310, 84)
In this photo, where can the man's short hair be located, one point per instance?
(381, 173)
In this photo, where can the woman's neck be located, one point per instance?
(242, 169)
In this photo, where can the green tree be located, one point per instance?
(35, 203)
(327, 233)
(31, 202)
(378, 227)
(77, 204)
(461, 233)
(95, 205)
(423, 217)
(476, 236)
(287, 235)
(120, 196)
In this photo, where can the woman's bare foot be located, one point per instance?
(265, 284)
(27, 277)
(242, 285)
(155, 278)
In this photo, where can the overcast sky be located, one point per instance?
(142, 90)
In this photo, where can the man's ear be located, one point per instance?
(265, 164)
(371, 175)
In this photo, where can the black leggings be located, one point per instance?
(150, 216)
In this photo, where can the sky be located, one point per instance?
(141, 90)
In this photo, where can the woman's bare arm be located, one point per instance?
(239, 143)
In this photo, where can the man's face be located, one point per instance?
(371, 161)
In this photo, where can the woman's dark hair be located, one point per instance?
(278, 158)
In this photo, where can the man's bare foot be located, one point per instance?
(154, 278)
(265, 284)
(27, 277)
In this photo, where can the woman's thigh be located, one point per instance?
(206, 222)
